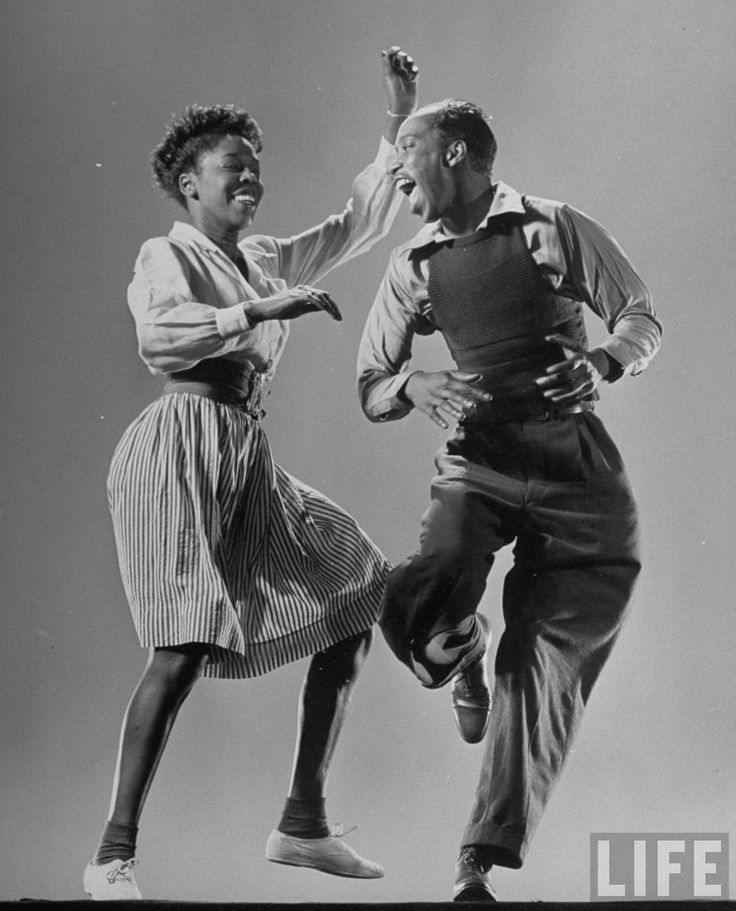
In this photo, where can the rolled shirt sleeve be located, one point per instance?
(399, 312)
(582, 260)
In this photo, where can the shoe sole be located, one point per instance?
(311, 866)
(466, 738)
(475, 894)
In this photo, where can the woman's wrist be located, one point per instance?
(252, 311)
(394, 119)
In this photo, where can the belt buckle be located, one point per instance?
(255, 396)
(577, 408)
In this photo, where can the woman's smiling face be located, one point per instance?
(225, 189)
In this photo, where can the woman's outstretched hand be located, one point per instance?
(290, 304)
(400, 74)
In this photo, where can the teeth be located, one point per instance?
(405, 185)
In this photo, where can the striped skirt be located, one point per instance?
(217, 544)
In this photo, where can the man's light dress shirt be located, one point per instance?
(187, 295)
(578, 257)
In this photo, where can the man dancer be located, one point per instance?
(503, 277)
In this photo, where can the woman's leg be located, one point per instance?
(324, 700)
(303, 837)
(167, 680)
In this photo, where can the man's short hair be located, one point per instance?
(199, 130)
(456, 119)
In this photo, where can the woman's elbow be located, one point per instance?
(153, 354)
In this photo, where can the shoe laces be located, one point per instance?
(469, 857)
(466, 685)
(337, 831)
(472, 679)
(124, 871)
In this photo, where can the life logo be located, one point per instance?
(657, 865)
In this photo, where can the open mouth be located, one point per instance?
(405, 185)
(246, 199)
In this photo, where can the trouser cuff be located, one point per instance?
(505, 847)
(448, 654)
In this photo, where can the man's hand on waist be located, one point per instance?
(444, 393)
(577, 377)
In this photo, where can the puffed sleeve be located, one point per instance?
(174, 330)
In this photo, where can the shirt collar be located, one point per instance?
(182, 230)
(505, 199)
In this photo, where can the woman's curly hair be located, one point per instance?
(198, 131)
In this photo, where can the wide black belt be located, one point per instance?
(221, 381)
(511, 382)
(525, 405)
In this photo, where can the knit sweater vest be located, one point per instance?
(494, 308)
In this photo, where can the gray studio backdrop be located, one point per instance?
(623, 109)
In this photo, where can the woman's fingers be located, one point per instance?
(329, 305)
(321, 300)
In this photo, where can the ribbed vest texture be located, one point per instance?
(494, 308)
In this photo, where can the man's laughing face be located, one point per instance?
(420, 168)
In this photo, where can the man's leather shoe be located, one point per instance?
(471, 696)
(471, 883)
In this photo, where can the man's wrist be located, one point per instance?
(615, 368)
(600, 361)
(609, 368)
(403, 393)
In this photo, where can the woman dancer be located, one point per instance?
(232, 567)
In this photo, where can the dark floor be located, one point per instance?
(377, 906)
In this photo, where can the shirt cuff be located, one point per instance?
(232, 321)
(389, 404)
(620, 352)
